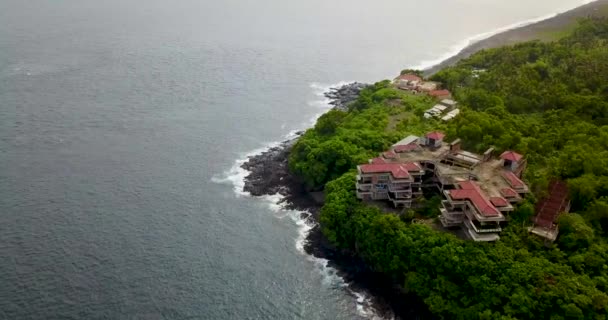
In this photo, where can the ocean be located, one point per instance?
(123, 124)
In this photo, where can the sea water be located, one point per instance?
(123, 124)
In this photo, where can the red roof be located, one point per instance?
(471, 191)
(499, 202)
(440, 93)
(549, 209)
(513, 180)
(398, 170)
(509, 193)
(409, 77)
(378, 161)
(389, 155)
(511, 155)
(405, 147)
(435, 135)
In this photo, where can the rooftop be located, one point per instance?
(553, 205)
(409, 77)
(377, 161)
(398, 170)
(407, 140)
(457, 166)
(513, 180)
(499, 202)
(469, 190)
(389, 155)
(511, 155)
(436, 135)
(440, 93)
(405, 147)
(449, 102)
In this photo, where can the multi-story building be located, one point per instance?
(398, 183)
(470, 207)
(478, 190)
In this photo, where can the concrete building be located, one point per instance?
(434, 139)
(408, 81)
(478, 190)
(428, 86)
(451, 115)
(398, 183)
(436, 111)
(440, 94)
(470, 207)
(451, 104)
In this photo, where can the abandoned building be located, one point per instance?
(549, 209)
(478, 190)
(416, 85)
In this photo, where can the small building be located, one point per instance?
(511, 160)
(436, 111)
(434, 139)
(408, 81)
(428, 86)
(451, 104)
(407, 140)
(451, 115)
(440, 94)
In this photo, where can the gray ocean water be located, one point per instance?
(120, 125)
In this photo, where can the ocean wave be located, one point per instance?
(236, 177)
(457, 48)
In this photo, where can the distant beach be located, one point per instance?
(544, 30)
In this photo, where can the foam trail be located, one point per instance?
(236, 177)
(457, 48)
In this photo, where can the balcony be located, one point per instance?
(452, 214)
(407, 203)
(449, 223)
(399, 187)
(473, 214)
(400, 196)
(470, 230)
(364, 187)
(482, 229)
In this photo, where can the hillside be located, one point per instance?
(548, 100)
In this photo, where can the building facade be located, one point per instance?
(478, 190)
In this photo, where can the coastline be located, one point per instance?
(268, 175)
(543, 28)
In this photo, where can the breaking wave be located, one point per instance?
(458, 47)
(235, 176)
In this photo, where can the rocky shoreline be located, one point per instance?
(269, 174)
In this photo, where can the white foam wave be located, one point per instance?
(329, 275)
(236, 177)
(458, 47)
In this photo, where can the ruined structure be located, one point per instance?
(478, 190)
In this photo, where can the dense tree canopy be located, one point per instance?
(546, 100)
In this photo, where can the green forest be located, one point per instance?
(548, 101)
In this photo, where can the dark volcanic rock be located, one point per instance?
(269, 174)
(268, 170)
(342, 96)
